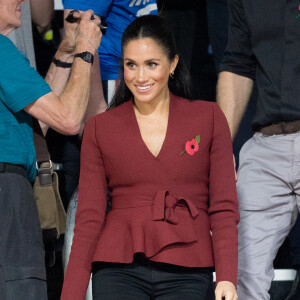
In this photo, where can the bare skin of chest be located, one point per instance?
(153, 132)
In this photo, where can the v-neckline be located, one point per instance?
(140, 137)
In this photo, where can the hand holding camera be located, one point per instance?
(81, 31)
(88, 34)
(71, 19)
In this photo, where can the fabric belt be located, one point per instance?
(12, 168)
(163, 205)
(281, 128)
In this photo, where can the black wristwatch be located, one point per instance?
(86, 56)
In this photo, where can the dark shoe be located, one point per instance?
(295, 291)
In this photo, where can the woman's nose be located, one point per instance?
(142, 75)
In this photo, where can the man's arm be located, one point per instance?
(238, 67)
(233, 94)
(96, 103)
(64, 111)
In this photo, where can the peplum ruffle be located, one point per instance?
(139, 224)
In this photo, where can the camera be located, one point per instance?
(70, 18)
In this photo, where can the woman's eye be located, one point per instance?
(130, 65)
(152, 65)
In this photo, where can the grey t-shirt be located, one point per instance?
(22, 37)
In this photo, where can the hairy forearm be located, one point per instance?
(75, 97)
(233, 94)
(64, 109)
(65, 112)
(57, 77)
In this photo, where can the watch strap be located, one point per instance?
(60, 63)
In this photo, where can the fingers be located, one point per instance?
(226, 295)
(225, 290)
(87, 15)
(71, 16)
(229, 296)
(76, 14)
(89, 32)
(96, 20)
(218, 294)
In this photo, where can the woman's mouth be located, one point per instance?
(144, 88)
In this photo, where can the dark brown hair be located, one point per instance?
(156, 28)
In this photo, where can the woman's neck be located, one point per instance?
(158, 106)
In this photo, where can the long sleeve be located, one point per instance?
(90, 216)
(223, 210)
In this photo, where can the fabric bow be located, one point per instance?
(165, 207)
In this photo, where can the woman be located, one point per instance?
(168, 164)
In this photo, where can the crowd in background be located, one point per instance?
(200, 29)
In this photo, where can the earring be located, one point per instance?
(172, 74)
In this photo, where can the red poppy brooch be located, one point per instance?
(192, 146)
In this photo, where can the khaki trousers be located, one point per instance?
(268, 189)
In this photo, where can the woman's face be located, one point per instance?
(147, 69)
(10, 15)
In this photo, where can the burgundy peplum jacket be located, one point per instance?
(175, 208)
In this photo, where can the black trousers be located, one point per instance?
(144, 279)
(22, 266)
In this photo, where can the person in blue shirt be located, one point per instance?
(117, 14)
(59, 103)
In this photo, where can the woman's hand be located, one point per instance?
(227, 290)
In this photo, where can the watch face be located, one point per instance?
(88, 56)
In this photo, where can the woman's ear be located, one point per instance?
(174, 63)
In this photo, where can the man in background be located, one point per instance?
(59, 103)
(264, 46)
